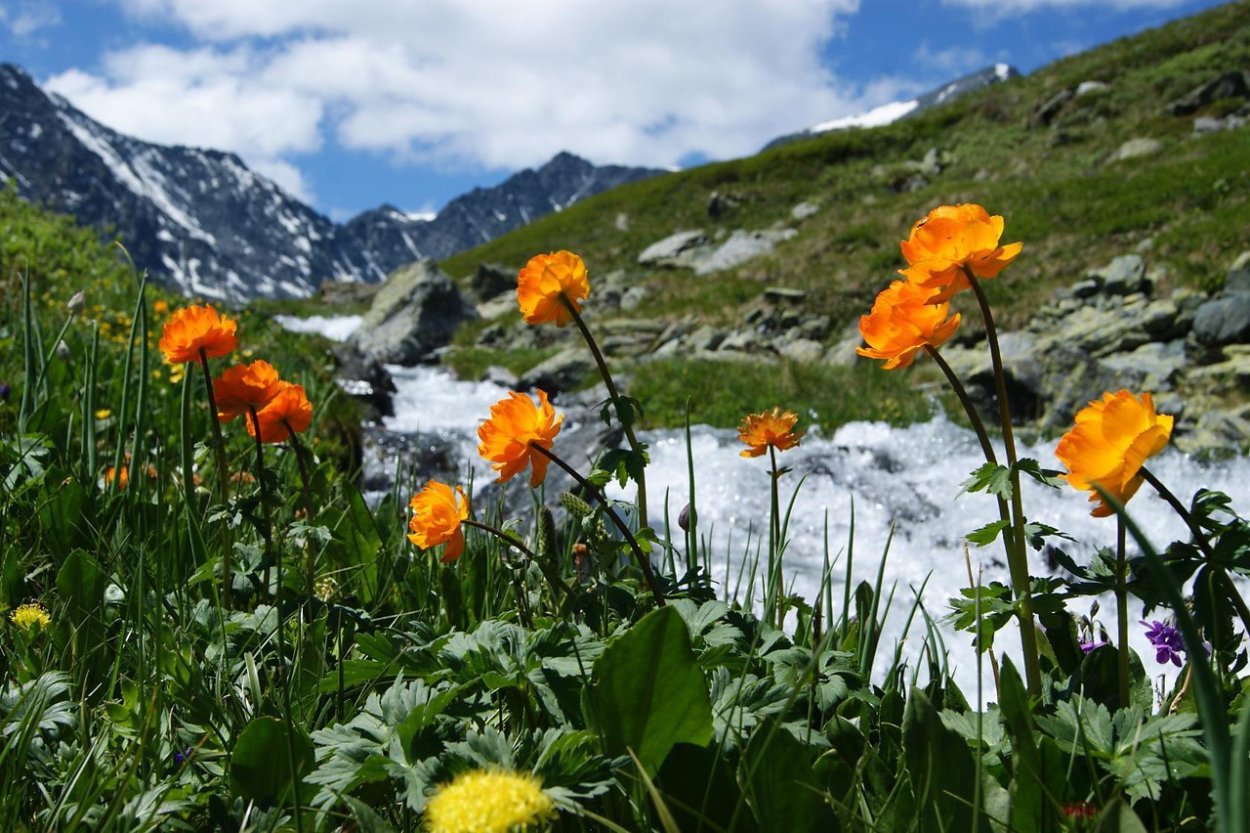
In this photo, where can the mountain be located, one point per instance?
(202, 221)
(895, 110)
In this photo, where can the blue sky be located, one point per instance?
(350, 105)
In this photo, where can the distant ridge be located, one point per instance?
(203, 222)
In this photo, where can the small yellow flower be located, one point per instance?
(103, 413)
(30, 617)
(488, 801)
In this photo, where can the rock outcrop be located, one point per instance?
(415, 313)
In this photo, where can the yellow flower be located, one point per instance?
(1111, 441)
(949, 239)
(902, 322)
(544, 279)
(775, 428)
(103, 413)
(436, 516)
(30, 617)
(488, 801)
(514, 427)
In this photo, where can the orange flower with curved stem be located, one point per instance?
(515, 423)
(245, 386)
(288, 411)
(775, 428)
(1111, 441)
(437, 513)
(544, 280)
(949, 240)
(195, 328)
(902, 323)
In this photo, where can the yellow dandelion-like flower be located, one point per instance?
(103, 413)
(30, 617)
(488, 801)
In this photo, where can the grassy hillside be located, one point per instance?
(1053, 184)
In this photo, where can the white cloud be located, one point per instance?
(26, 18)
(490, 83)
(1006, 8)
(957, 60)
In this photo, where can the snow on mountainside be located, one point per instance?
(895, 110)
(201, 221)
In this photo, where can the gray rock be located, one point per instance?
(1224, 319)
(742, 341)
(622, 221)
(1090, 88)
(501, 304)
(706, 338)
(1123, 275)
(804, 210)
(1218, 432)
(803, 351)
(491, 280)
(1154, 367)
(415, 312)
(741, 247)
(1136, 149)
(562, 372)
(681, 250)
(1234, 84)
(718, 204)
(1207, 124)
(632, 297)
(784, 295)
(1238, 277)
(501, 376)
(1051, 107)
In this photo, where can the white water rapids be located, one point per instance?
(906, 477)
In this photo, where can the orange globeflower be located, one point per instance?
(436, 516)
(515, 423)
(195, 328)
(949, 239)
(902, 322)
(1111, 441)
(289, 410)
(544, 279)
(245, 386)
(775, 428)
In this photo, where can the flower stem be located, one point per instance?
(775, 584)
(553, 579)
(310, 566)
(626, 424)
(1200, 539)
(264, 504)
(1121, 606)
(223, 476)
(1018, 563)
(643, 562)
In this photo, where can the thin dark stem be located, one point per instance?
(1018, 564)
(551, 577)
(626, 424)
(641, 556)
(264, 505)
(1200, 538)
(223, 477)
(774, 541)
(983, 436)
(1121, 602)
(310, 565)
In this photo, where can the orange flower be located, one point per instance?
(949, 239)
(544, 279)
(514, 424)
(245, 386)
(774, 428)
(436, 516)
(288, 411)
(195, 328)
(902, 322)
(119, 478)
(1111, 441)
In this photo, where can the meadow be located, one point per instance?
(206, 626)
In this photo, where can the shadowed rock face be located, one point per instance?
(414, 313)
(202, 222)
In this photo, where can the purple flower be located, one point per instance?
(181, 757)
(1087, 647)
(4, 391)
(1167, 642)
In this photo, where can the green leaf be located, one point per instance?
(260, 767)
(940, 768)
(987, 534)
(80, 583)
(1047, 477)
(990, 478)
(781, 786)
(649, 692)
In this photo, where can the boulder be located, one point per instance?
(803, 351)
(1234, 84)
(365, 380)
(1136, 149)
(1224, 319)
(741, 247)
(1051, 107)
(415, 312)
(1123, 275)
(681, 250)
(491, 280)
(1238, 277)
(562, 372)
(804, 210)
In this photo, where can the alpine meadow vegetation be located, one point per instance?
(207, 627)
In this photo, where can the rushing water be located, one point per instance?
(901, 478)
